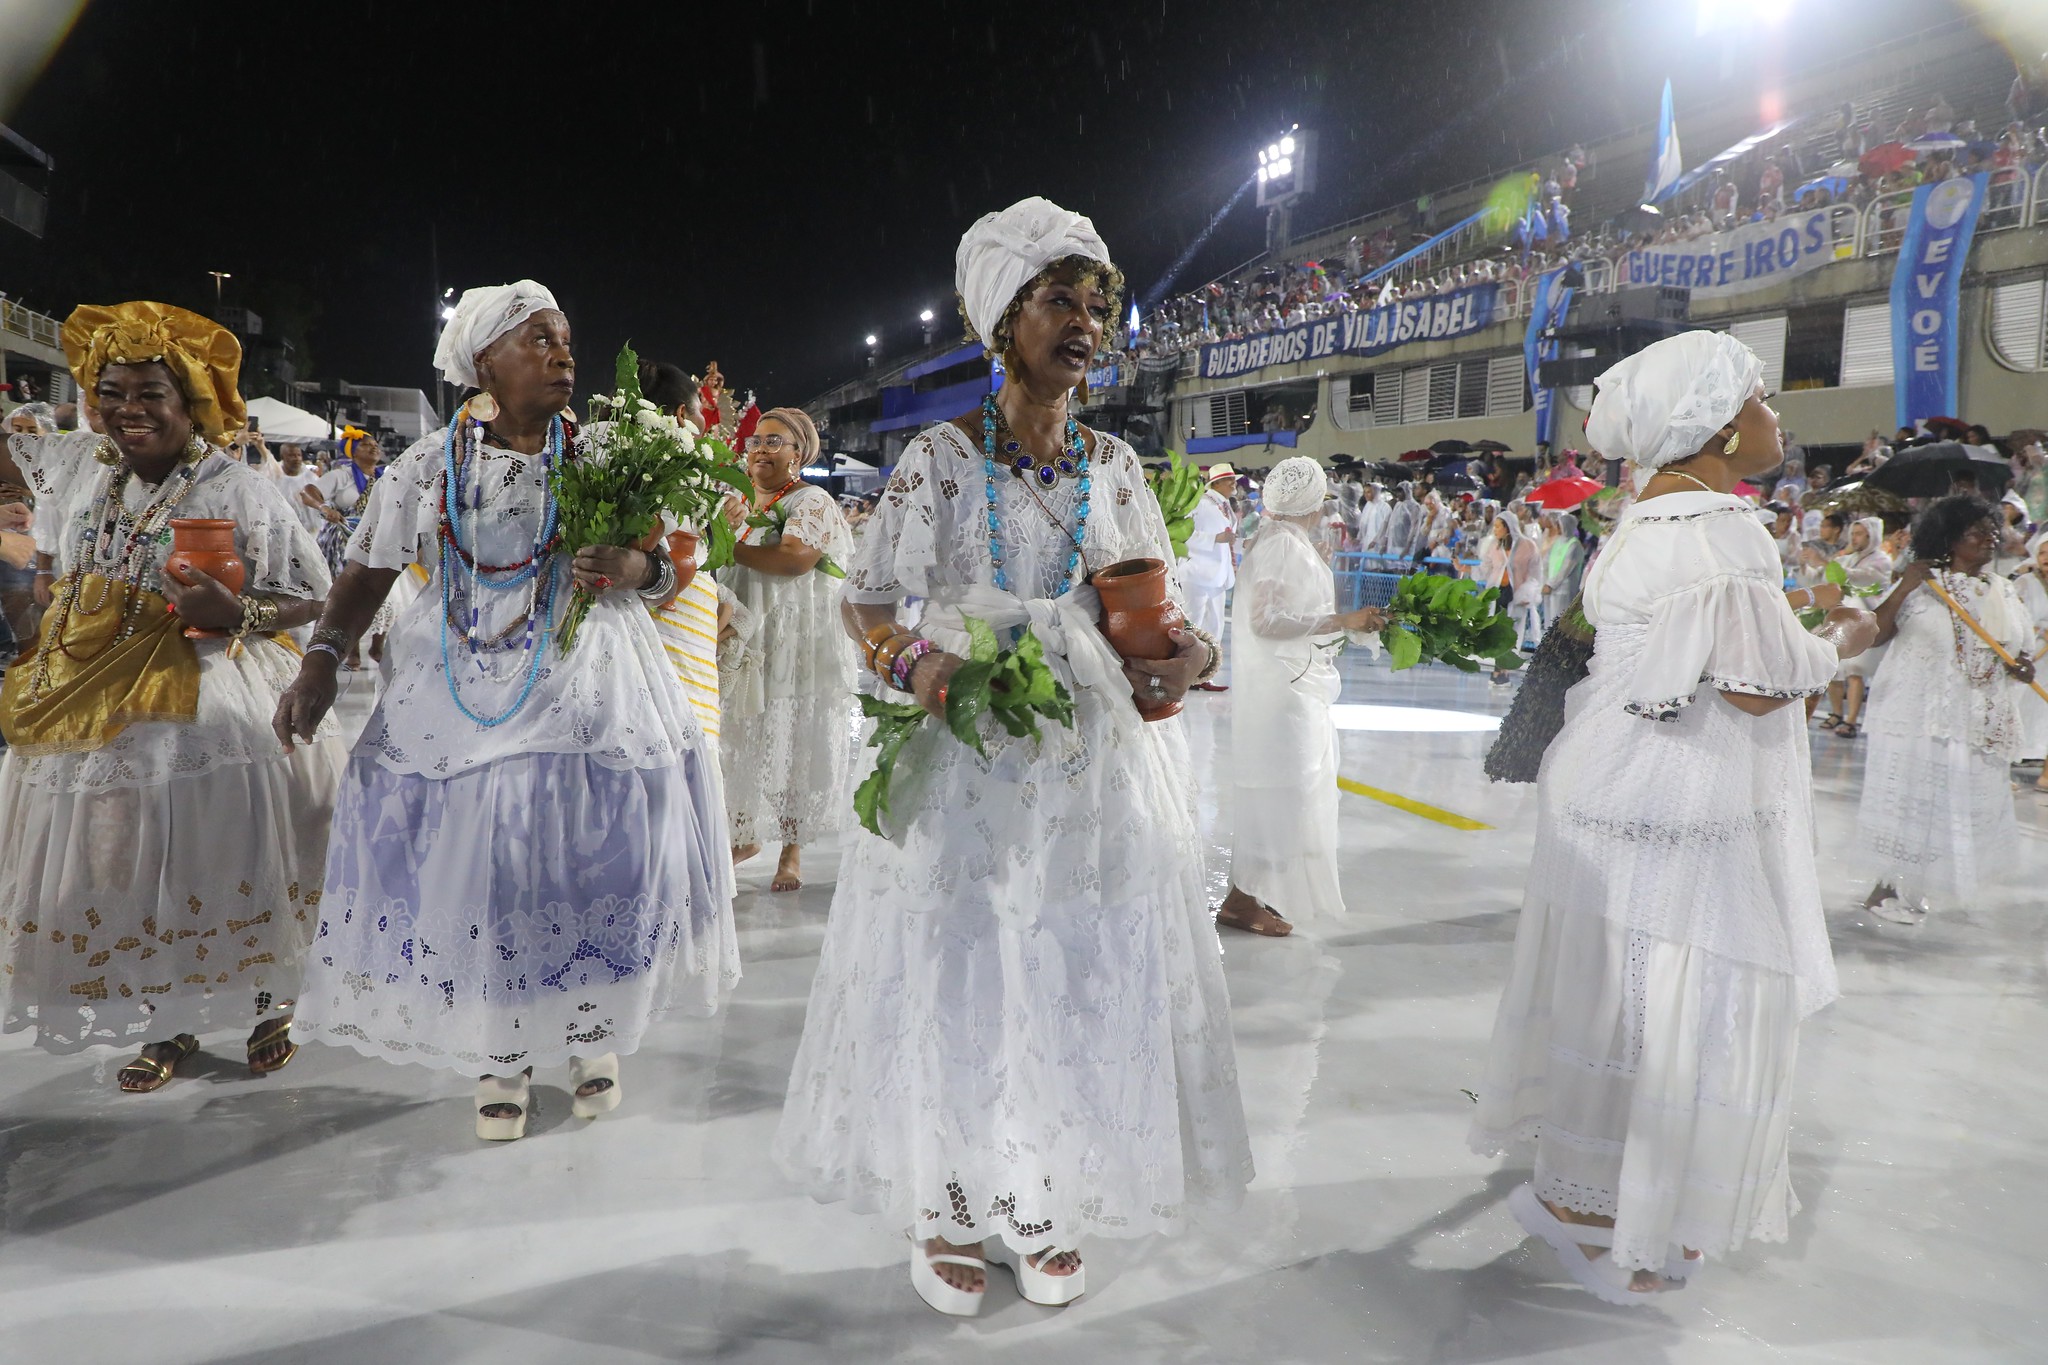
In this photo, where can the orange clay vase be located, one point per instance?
(207, 545)
(682, 552)
(1136, 616)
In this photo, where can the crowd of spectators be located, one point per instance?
(1845, 157)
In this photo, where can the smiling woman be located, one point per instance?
(163, 854)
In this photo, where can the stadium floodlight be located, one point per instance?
(925, 316)
(871, 338)
(1287, 146)
(1286, 168)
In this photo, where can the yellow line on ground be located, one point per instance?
(1413, 807)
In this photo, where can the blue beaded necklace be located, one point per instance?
(536, 570)
(1073, 461)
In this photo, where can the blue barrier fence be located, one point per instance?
(1367, 580)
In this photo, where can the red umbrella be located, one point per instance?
(1885, 158)
(1407, 455)
(1744, 490)
(1561, 495)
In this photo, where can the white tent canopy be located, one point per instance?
(283, 422)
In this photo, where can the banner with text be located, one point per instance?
(1432, 319)
(1749, 257)
(1924, 290)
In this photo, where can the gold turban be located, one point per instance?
(202, 356)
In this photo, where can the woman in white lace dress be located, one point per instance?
(162, 856)
(528, 860)
(1287, 630)
(788, 709)
(1671, 938)
(1867, 566)
(1944, 722)
(1019, 1033)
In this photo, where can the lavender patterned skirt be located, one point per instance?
(540, 908)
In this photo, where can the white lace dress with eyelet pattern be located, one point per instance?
(1944, 725)
(787, 714)
(1671, 936)
(167, 881)
(1019, 1026)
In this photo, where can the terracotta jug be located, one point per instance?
(209, 545)
(682, 552)
(1136, 616)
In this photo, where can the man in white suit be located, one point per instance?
(1212, 557)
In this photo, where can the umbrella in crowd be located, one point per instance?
(1413, 456)
(1489, 444)
(1859, 499)
(1827, 184)
(1885, 158)
(1936, 142)
(1929, 471)
(1451, 445)
(1562, 494)
(1455, 481)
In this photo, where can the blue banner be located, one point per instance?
(1552, 299)
(1432, 319)
(1753, 256)
(1924, 290)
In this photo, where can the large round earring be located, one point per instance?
(1734, 443)
(106, 452)
(195, 449)
(483, 407)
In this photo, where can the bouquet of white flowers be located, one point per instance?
(643, 463)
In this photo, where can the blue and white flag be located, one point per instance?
(1665, 163)
(1924, 290)
(1553, 300)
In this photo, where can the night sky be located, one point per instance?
(766, 183)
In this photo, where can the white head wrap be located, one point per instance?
(1667, 400)
(1296, 487)
(482, 316)
(1002, 252)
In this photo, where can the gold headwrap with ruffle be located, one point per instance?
(202, 356)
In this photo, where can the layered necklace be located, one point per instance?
(118, 545)
(1027, 468)
(462, 507)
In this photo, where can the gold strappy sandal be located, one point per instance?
(154, 1073)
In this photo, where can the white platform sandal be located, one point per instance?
(1679, 1267)
(1039, 1286)
(1597, 1275)
(512, 1091)
(1896, 910)
(932, 1287)
(582, 1073)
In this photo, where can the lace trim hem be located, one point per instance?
(1669, 708)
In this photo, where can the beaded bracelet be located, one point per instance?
(333, 636)
(906, 663)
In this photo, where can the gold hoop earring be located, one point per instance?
(106, 452)
(1734, 443)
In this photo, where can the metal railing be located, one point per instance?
(2010, 201)
(26, 322)
(1368, 580)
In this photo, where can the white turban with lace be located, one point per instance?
(482, 316)
(1667, 400)
(1004, 251)
(1296, 487)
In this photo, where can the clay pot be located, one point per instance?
(206, 544)
(1136, 616)
(682, 551)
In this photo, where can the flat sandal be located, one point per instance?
(261, 1039)
(154, 1069)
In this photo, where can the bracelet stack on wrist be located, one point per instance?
(906, 663)
(664, 585)
(332, 641)
(1209, 669)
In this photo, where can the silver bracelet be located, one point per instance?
(664, 584)
(329, 650)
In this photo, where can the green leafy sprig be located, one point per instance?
(1834, 573)
(1437, 619)
(645, 463)
(775, 521)
(1015, 686)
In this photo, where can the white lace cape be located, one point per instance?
(236, 696)
(615, 696)
(1939, 681)
(1660, 805)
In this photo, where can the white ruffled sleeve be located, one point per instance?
(815, 520)
(402, 518)
(53, 465)
(1281, 576)
(282, 557)
(1729, 629)
(900, 546)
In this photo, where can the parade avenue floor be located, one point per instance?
(342, 1211)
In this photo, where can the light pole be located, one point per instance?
(220, 277)
(927, 318)
(874, 349)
